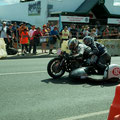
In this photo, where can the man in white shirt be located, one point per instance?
(32, 30)
(3, 31)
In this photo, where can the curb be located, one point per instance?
(28, 57)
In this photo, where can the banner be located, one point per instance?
(113, 21)
(34, 8)
(75, 19)
(60, 24)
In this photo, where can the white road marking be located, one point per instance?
(18, 73)
(86, 115)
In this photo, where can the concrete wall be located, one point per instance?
(20, 12)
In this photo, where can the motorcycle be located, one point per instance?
(61, 64)
(79, 69)
(64, 62)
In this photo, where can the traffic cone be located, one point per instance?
(115, 106)
(117, 117)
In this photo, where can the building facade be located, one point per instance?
(40, 12)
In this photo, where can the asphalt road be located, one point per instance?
(28, 93)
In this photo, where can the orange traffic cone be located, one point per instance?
(115, 106)
(117, 117)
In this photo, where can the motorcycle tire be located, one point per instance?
(50, 68)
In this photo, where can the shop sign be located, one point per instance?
(75, 19)
(113, 21)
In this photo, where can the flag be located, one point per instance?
(60, 23)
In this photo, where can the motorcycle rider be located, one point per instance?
(100, 51)
(81, 51)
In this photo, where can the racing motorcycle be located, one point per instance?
(61, 64)
(80, 69)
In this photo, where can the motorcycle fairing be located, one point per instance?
(79, 73)
(112, 71)
(85, 73)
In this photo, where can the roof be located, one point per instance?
(86, 6)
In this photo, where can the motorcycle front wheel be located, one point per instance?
(54, 68)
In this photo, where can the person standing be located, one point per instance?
(45, 33)
(24, 41)
(10, 36)
(54, 35)
(106, 32)
(32, 30)
(74, 32)
(15, 31)
(93, 34)
(65, 34)
(36, 38)
(86, 32)
(3, 31)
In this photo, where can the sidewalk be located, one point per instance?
(38, 55)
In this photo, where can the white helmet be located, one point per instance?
(72, 43)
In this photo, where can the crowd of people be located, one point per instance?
(28, 39)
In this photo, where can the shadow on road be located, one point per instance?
(67, 80)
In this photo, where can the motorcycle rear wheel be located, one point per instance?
(54, 69)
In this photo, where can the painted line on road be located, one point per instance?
(86, 115)
(18, 73)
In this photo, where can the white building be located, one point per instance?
(37, 12)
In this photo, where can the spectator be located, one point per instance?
(74, 32)
(51, 26)
(48, 27)
(3, 31)
(81, 31)
(70, 27)
(24, 41)
(65, 34)
(114, 33)
(10, 36)
(32, 30)
(45, 33)
(93, 34)
(53, 38)
(78, 29)
(15, 31)
(36, 38)
(21, 29)
(106, 32)
(86, 32)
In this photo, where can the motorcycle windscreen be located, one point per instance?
(79, 73)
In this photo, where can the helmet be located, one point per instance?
(88, 40)
(72, 43)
